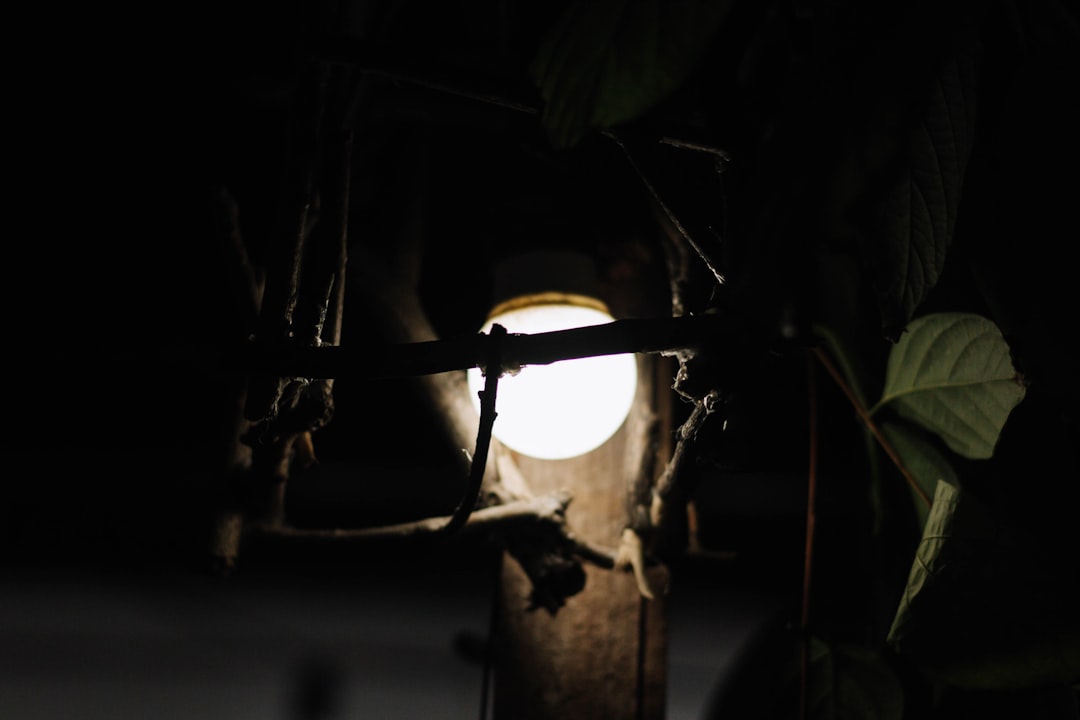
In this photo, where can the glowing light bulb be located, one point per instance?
(566, 408)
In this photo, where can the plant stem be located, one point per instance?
(860, 409)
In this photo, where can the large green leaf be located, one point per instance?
(952, 374)
(606, 62)
(926, 464)
(852, 683)
(843, 682)
(918, 216)
(982, 609)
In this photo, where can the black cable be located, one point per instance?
(489, 647)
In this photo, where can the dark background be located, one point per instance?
(121, 294)
(127, 122)
(121, 315)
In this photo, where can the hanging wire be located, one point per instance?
(489, 647)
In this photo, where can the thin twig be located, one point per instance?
(668, 212)
(687, 434)
(811, 522)
(697, 147)
(826, 362)
(345, 51)
(677, 258)
(548, 510)
(545, 509)
(399, 317)
(483, 437)
(642, 439)
(639, 466)
(321, 287)
(299, 209)
(348, 51)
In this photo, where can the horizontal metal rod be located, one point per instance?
(650, 335)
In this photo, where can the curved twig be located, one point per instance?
(667, 210)
(483, 436)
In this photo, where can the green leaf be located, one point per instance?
(606, 62)
(844, 682)
(982, 610)
(864, 686)
(952, 374)
(923, 460)
(918, 216)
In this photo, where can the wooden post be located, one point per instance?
(603, 654)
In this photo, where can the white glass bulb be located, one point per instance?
(566, 408)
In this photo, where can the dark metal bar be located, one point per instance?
(651, 335)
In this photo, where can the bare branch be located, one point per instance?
(642, 440)
(546, 509)
(666, 209)
(545, 513)
(321, 286)
(299, 208)
(687, 434)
